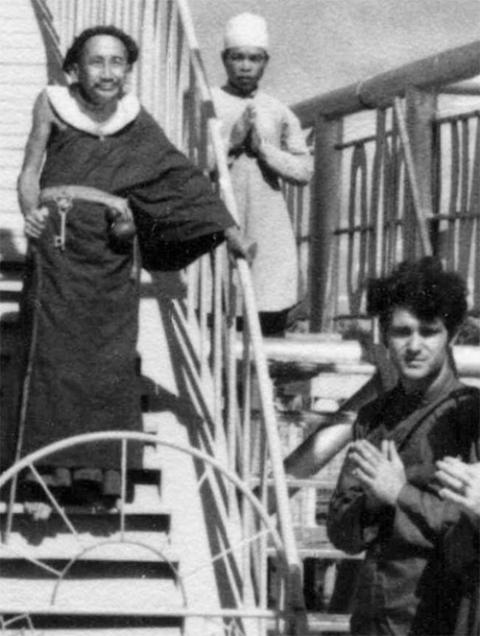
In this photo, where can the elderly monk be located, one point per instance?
(387, 500)
(97, 168)
(264, 146)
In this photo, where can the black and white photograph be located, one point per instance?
(240, 318)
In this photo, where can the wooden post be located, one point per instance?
(420, 111)
(326, 188)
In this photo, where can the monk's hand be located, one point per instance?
(380, 471)
(239, 247)
(120, 210)
(35, 222)
(460, 484)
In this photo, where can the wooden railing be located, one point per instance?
(171, 82)
(394, 179)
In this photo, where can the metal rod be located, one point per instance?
(54, 502)
(123, 487)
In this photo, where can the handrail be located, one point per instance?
(266, 398)
(436, 71)
(402, 187)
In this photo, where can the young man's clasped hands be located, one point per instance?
(380, 471)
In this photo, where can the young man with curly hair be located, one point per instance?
(387, 501)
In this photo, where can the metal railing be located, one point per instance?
(394, 179)
(171, 82)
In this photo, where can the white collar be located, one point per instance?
(68, 109)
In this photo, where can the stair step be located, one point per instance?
(319, 623)
(146, 521)
(117, 589)
(138, 547)
(146, 502)
(8, 311)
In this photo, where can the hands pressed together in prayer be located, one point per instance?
(461, 484)
(247, 126)
(380, 471)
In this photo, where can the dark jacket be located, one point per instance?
(403, 587)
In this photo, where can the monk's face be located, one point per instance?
(103, 68)
(245, 66)
(418, 348)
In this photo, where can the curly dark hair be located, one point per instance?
(424, 288)
(75, 51)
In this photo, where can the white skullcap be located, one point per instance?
(246, 29)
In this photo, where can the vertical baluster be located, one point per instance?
(170, 68)
(365, 233)
(376, 217)
(246, 401)
(357, 216)
(231, 370)
(437, 188)
(123, 486)
(398, 190)
(385, 212)
(351, 234)
(192, 291)
(452, 256)
(217, 340)
(204, 306)
(474, 207)
(157, 53)
(465, 224)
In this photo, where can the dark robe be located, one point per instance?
(81, 302)
(403, 587)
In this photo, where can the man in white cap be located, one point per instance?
(265, 145)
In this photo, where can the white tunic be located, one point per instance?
(257, 186)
